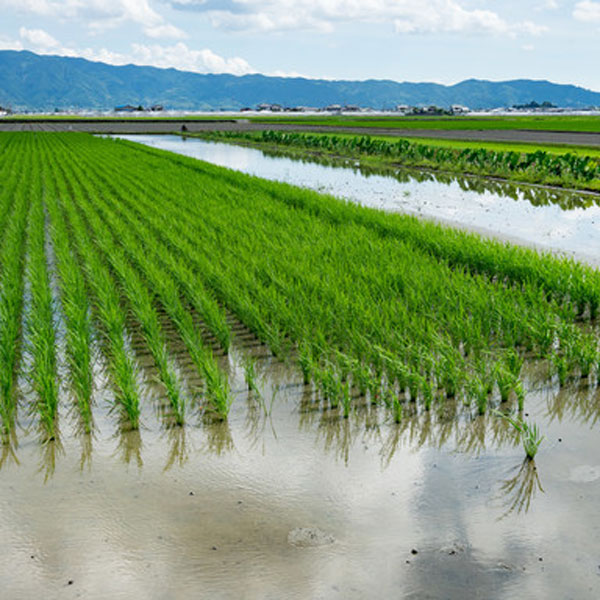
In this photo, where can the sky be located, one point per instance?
(442, 41)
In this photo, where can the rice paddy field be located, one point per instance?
(213, 383)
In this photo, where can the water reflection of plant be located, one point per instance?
(565, 169)
(520, 490)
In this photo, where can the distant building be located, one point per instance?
(333, 108)
(126, 108)
(457, 109)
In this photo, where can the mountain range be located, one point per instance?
(30, 81)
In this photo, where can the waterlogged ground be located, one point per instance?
(548, 219)
(290, 500)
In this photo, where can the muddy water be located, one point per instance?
(546, 219)
(289, 500)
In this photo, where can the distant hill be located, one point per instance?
(32, 82)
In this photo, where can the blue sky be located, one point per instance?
(444, 41)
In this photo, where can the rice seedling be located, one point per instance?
(528, 432)
(41, 336)
(250, 373)
(394, 308)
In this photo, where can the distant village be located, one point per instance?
(350, 108)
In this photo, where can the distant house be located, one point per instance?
(126, 108)
(156, 108)
(457, 109)
(351, 108)
(333, 108)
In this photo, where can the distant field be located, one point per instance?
(540, 123)
(589, 124)
(592, 151)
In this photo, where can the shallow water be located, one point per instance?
(289, 500)
(548, 219)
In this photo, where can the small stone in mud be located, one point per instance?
(214, 548)
(540, 559)
(309, 536)
(70, 582)
(414, 551)
(560, 439)
(191, 494)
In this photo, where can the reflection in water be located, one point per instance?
(535, 195)
(178, 447)
(129, 446)
(8, 447)
(519, 491)
(49, 451)
(86, 451)
(219, 439)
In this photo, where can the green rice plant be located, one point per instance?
(385, 301)
(506, 381)
(111, 318)
(528, 432)
(250, 373)
(41, 336)
(346, 399)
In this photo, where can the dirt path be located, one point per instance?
(164, 126)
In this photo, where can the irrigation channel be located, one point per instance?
(544, 218)
(285, 497)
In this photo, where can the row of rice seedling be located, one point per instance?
(161, 253)
(40, 330)
(106, 303)
(296, 295)
(12, 249)
(107, 229)
(76, 309)
(568, 170)
(365, 304)
(564, 278)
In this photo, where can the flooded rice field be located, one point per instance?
(289, 499)
(548, 219)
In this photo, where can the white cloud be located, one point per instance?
(10, 44)
(165, 31)
(100, 15)
(408, 16)
(39, 38)
(180, 56)
(587, 11)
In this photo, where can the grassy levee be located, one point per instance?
(40, 329)
(119, 245)
(12, 249)
(433, 326)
